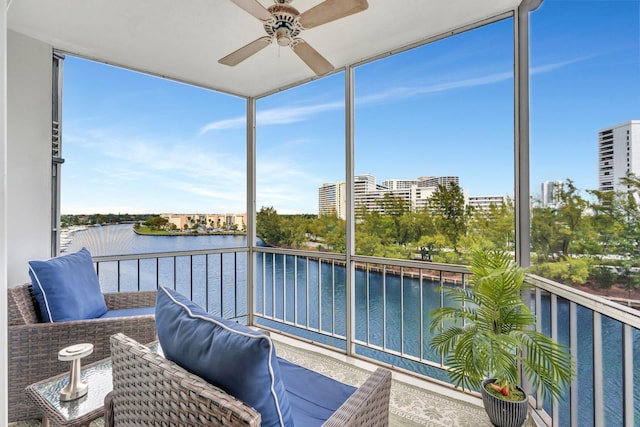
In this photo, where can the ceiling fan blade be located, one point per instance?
(330, 10)
(234, 58)
(312, 58)
(254, 8)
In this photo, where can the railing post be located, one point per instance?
(555, 414)
(350, 275)
(573, 337)
(627, 374)
(598, 380)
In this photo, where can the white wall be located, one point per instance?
(28, 197)
(4, 417)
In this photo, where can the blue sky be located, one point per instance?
(138, 144)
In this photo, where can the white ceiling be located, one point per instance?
(183, 39)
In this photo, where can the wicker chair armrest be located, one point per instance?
(151, 390)
(39, 343)
(108, 410)
(120, 300)
(368, 405)
(47, 339)
(21, 302)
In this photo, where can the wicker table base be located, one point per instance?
(79, 412)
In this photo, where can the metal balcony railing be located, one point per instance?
(305, 293)
(216, 279)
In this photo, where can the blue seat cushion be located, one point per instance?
(238, 359)
(126, 312)
(312, 396)
(67, 288)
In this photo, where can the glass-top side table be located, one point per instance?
(79, 412)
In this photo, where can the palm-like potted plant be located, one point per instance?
(487, 340)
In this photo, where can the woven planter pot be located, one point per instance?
(504, 413)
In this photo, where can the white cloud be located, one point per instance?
(236, 196)
(155, 173)
(234, 123)
(274, 116)
(556, 65)
(166, 175)
(287, 115)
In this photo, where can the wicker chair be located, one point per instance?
(153, 391)
(34, 345)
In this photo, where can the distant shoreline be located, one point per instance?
(189, 233)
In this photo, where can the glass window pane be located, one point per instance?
(135, 147)
(434, 148)
(300, 166)
(585, 110)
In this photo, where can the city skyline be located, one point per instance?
(135, 143)
(368, 193)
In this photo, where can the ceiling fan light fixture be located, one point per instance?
(283, 37)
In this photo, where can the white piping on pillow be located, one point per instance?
(44, 294)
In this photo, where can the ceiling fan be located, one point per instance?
(284, 23)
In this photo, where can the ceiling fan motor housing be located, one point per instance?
(283, 25)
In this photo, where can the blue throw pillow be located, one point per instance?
(235, 358)
(67, 288)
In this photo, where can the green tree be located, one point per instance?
(556, 231)
(156, 223)
(630, 240)
(333, 231)
(544, 230)
(495, 225)
(606, 221)
(630, 216)
(571, 216)
(377, 224)
(448, 207)
(293, 231)
(411, 228)
(395, 208)
(571, 271)
(269, 226)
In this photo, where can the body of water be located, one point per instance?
(385, 315)
(121, 240)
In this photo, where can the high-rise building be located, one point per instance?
(364, 183)
(550, 192)
(434, 181)
(484, 202)
(332, 199)
(399, 184)
(369, 194)
(618, 154)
